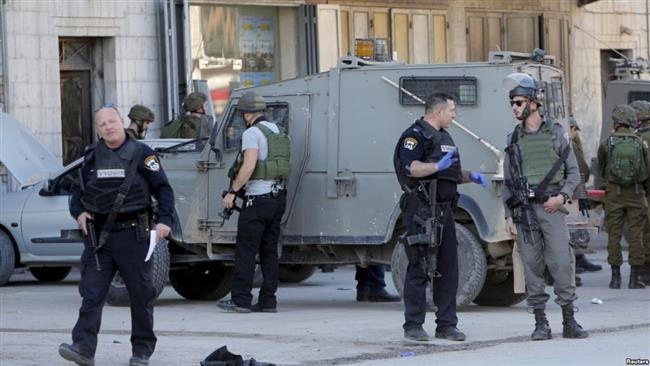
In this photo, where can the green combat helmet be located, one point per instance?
(625, 115)
(141, 113)
(251, 102)
(194, 101)
(642, 108)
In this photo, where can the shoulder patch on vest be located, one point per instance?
(410, 143)
(151, 163)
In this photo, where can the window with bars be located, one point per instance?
(463, 89)
(638, 95)
(276, 112)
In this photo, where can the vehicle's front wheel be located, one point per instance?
(471, 267)
(202, 281)
(50, 274)
(295, 273)
(118, 294)
(7, 258)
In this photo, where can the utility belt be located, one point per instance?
(266, 195)
(139, 220)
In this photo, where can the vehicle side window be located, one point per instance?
(62, 185)
(235, 126)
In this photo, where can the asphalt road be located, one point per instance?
(320, 323)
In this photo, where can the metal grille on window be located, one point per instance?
(464, 90)
(638, 95)
(277, 113)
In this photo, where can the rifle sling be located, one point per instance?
(123, 191)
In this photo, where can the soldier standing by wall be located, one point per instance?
(582, 263)
(642, 108)
(624, 161)
(540, 174)
(263, 173)
(140, 117)
(426, 154)
(118, 177)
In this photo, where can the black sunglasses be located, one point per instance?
(519, 103)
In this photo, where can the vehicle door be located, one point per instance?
(47, 227)
(292, 113)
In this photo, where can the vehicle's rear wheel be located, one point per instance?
(50, 274)
(499, 290)
(118, 294)
(294, 273)
(202, 281)
(471, 267)
(7, 258)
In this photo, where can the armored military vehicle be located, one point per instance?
(632, 83)
(342, 205)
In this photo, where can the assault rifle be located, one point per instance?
(522, 194)
(430, 238)
(91, 240)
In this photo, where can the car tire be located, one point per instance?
(203, 281)
(50, 274)
(7, 258)
(471, 268)
(118, 295)
(295, 273)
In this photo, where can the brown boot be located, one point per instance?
(635, 278)
(615, 282)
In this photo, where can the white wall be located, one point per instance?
(602, 19)
(131, 57)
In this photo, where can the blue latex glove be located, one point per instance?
(478, 178)
(448, 160)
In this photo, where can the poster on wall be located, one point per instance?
(257, 48)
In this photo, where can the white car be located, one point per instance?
(36, 229)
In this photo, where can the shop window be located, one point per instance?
(234, 46)
(235, 126)
(464, 90)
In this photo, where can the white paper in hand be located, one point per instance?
(152, 245)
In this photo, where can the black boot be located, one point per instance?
(583, 262)
(615, 282)
(571, 327)
(578, 281)
(542, 328)
(635, 277)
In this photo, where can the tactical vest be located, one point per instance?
(625, 159)
(538, 154)
(277, 165)
(110, 169)
(433, 143)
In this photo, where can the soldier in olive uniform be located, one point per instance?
(195, 124)
(549, 164)
(582, 263)
(642, 108)
(140, 117)
(624, 162)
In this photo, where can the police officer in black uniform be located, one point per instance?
(118, 177)
(426, 152)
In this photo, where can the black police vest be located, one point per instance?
(110, 169)
(433, 142)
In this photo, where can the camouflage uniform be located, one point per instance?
(642, 108)
(623, 204)
(579, 152)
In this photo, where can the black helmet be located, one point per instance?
(251, 102)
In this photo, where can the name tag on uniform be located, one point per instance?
(110, 173)
(446, 148)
